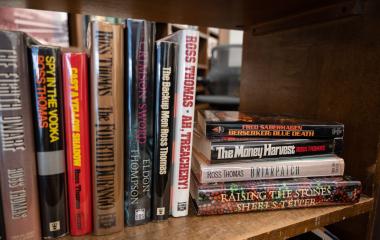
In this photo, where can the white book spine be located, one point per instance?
(188, 41)
(292, 168)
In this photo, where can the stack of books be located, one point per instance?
(243, 162)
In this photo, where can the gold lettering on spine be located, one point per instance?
(46, 89)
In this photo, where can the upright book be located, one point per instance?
(166, 69)
(75, 88)
(216, 123)
(45, 64)
(316, 166)
(222, 198)
(187, 41)
(107, 126)
(139, 36)
(18, 173)
(227, 149)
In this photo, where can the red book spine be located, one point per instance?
(75, 86)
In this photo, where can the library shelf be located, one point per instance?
(315, 59)
(256, 225)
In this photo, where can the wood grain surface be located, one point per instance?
(213, 13)
(257, 226)
(327, 71)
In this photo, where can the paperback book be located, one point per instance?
(139, 37)
(224, 149)
(223, 198)
(214, 123)
(45, 64)
(166, 68)
(256, 170)
(187, 41)
(107, 126)
(75, 88)
(18, 172)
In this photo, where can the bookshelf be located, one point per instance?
(255, 226)
(315, 59)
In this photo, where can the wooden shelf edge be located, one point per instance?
(327, 216)
(257, 225)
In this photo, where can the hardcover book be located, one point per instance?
(224, 149)
(107, 126)
(166, 68)
(256, 170)
(223, 198)
(187, 41)
(45, 64)
(75, 88)
(18, 172)
(139, 36)
(215, 123)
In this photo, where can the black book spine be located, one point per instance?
(227, 151)
(139, 120)
(48, 114)
(166, 54)
(298, 131)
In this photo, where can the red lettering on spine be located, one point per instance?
(189, 87)
(191, 49)
(41, 94)
(142, 71)
(184, 161)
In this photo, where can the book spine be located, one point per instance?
(274, 130)
(49, 130)
(274, 149)
(139, 120)
(18, 172)
(291, 168)
(188, 41)
(166, 53)
(75, 88)
(241, 197)
(107, 126)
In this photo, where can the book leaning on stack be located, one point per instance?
(243, 162)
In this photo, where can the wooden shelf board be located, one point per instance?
(257, 225)
(235, 14)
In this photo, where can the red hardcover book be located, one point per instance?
(75, 86)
